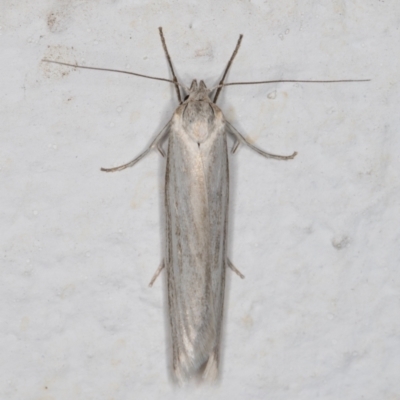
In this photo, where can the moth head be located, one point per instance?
(198, 92)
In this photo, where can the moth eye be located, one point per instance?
(186, 98)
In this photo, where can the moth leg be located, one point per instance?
(155, 143)
(161, 150)
(234, 269)
(241, 139)
(235, 146)
(227, 68)
(158, 272)
(164, 44)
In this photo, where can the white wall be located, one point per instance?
(317, 316)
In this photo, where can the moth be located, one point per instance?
(196, 215)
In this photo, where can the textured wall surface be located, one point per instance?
(318, 237)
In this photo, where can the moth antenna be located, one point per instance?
(115, 70)
(164, 44)
(227, 68)
(290, 80)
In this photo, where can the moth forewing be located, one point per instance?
(196, 205)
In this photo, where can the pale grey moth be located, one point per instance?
(196, 209)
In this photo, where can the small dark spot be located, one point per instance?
(340, 242)
(51, 20)
(57, 21)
